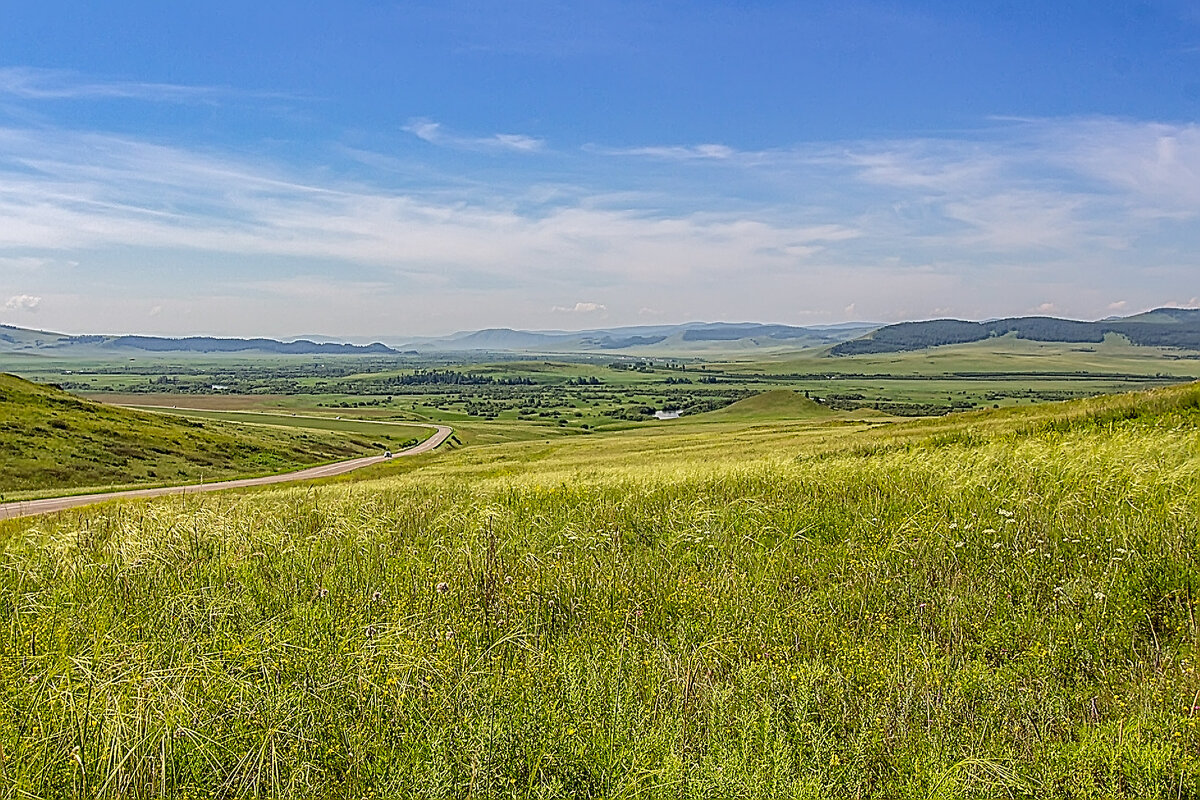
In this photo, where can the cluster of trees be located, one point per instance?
(448, 377)
(852, 401)
(633, 413)
(634, 366)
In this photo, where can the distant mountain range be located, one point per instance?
(1162, 327)
(13, 340)
(690, 337)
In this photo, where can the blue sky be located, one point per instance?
(388, 169)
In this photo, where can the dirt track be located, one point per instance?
(51, 504)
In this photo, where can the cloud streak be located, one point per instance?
(435, 133)
(29, 83)
(711, 152)
(581, 308)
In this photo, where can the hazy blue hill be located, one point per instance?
(208, 344)
(1168, 316)
(640, 339)
(495, 339)
(730, 332)
(685, 337)
(13, 339)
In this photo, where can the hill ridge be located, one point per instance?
(19, 339)
(1160, 327)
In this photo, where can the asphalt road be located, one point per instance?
(49, 505)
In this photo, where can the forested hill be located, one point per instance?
(1162, 327)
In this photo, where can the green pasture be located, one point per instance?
(990, 604)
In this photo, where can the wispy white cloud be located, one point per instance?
(714, 152)
(425, 129)
(436, 133)
(1156, 163)
(30, 83)
(934, 166)
(1075, 186)
(23, 302)
(515, 141)
(67, 192)
(1018, 221)
(29, 263)
(581, 308)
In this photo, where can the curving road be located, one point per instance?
(49, 505)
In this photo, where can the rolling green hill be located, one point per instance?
(50, 439)
(777, 404)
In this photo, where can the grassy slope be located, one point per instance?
(996, 604)
(776, 404)
(50, 439)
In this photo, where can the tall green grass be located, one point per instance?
(1009, 613)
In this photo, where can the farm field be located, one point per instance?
(778, 599)
(390, 431)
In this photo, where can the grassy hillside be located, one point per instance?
(994, 604)
(777, 404)
(50, 439)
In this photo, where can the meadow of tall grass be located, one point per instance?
(997, 609)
